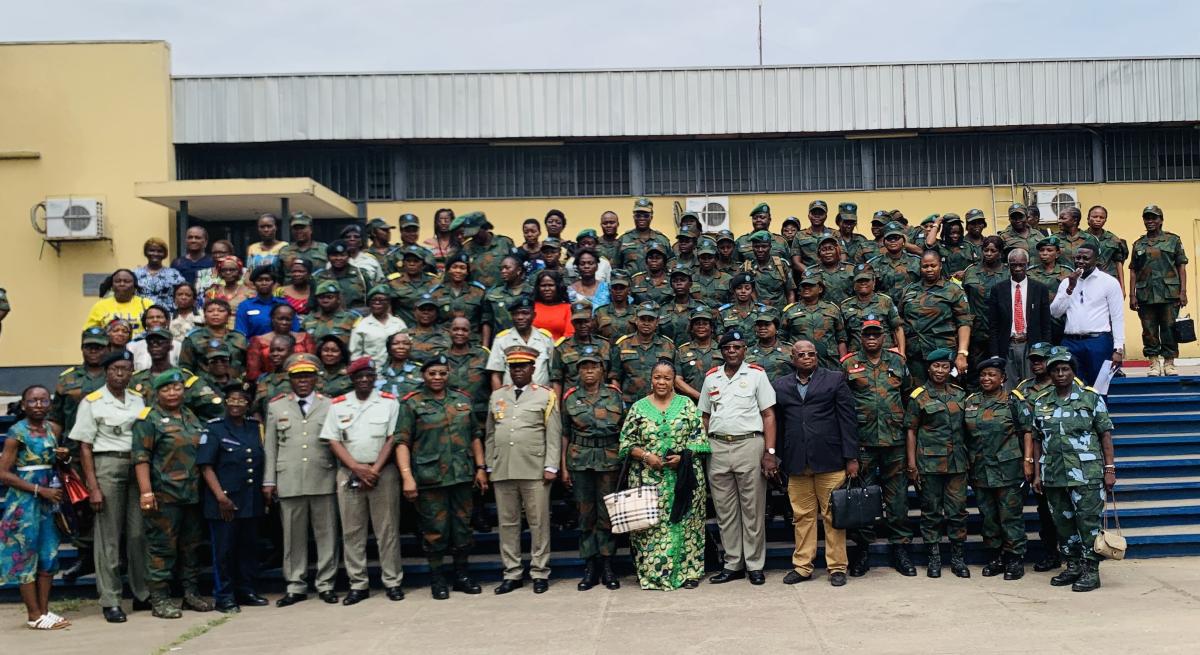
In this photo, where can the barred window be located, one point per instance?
(451, 172)
(752, 166)
(1152, 155)
(358, 173)
(978, 160)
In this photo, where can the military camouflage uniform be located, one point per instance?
(932, 315)
(1113, 252)
(1067, 245)
(693, 362)
(468, 302)
(633, 248)
(405, 293)
(334, 382)
(879, 390)
(775, 360)
(1072, 464)
(340, 324)
(352, 281)
(806, 243)
(772, 280)
(894, 274)
(958, 257)
(978, 283)
(314, 253)
(839, 282)
(1028, 242)
(820, 323)
(485, 260)
(564, 361)
(496, 301)
(610, 250)
(739, 317)
(191, 351)
(591, 431)
(855, 311)
(855, 250)
(1156, 261)
(676, 319)
(268, 386)
(779, 247)
(613, 323)
(995, 433)
(1050, 278)
(73, 384)
(937, 418)
(204, 401)
(400, 380)
(469, 374)
(712, 290)
(169, 445)
(631, 363)
(645, 288)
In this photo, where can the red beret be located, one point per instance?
(360, 364)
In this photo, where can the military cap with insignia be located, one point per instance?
(169, 376)
(94, 336)
(1059, 354)
(893, 229)
(725, 235)
(116, 356)
(588, 353)
(871, 322)
(302, 363)
(409, 220)
(380, 290)
(863, 272)
(739, 279)
(705, 246)
(425, 300)
(974, 215)
(301, 218)
(818, 205)
(1017, 209)
(654, 245)
(216, 348)
(437, 360)
(522, 301)
(618, 276)
(703, 314)
(791, 219)
(1049, 241)
(681, 269)
(940, 355)
(338, 247)
(1152, 210)
(519, 354)
(648, 308)
(551, 243)
(1040, 350)
(158, 333)
(687, 232)
(992, 362)
(328, 286)
(948, 219)
(760, 236)
(882, 217)
(359, 365)
(731, 336)
(761, 208)
(412, 250)
(586, 233)
(378, 224)
(643, 205)
(812, 276)
(848, 211)
(766, 314)
(581, 309)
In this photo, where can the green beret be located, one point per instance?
(585, 233)
(1049, 241)
(328, 286)
(761, 208)
(380, 290)
(169, 376)
(940, 355)
(760, 235)
(931, 218)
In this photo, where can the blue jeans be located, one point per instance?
(1090, 354)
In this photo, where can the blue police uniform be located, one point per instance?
(237, 457)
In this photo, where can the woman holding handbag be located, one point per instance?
(664, 440)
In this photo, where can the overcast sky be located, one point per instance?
(276, 36)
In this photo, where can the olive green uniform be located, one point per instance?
(351, 280)
(894, 274)
(495, 305)
(1113, 252)
(995, 433)
(1156, 262)
(932, 315)
(772, 280)
(340, 324)
(467, 302)
(937, 418)
(195, 345)
(693, 361)
(406, 291)
(564, 362)
(676, 319)
(738, 317)
(855, 250)
(821, 323)
(469, 374)
(775, 360)
(613, 323)
(631, 363)
(712, 290)
(485, 260)
(591, 432)
(855, 311)
(633, 248)
(839, 282)
(645, 288)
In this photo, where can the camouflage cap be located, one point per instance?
(158, 333)
(863, 272)
(725, 235)
(1059, 354)
(739, 279)
(767, 314)
(1017, 209)
(812, 276)
(581, 310)
(380, 290)
(828, 238)
(687, 232)
(412, 250)
(1049, 241)
(94, 336)
(216, 348)
(643, 205)
(689, 214)
(425, 300)
(681, 269)
(882, 216)
(169, 376)
(892, 229)
(949, 218)
(648, 308)
(587, 233)
(706, 246)
(552, 242)
(300, 218)
(588, 353)
(1152, 210)
(818, 205)
(975, 215)
(761, 208)
(703, 313)
(847, 211)
(409, 220)
(940, 355)
(992, 362)
(792, 219)
(654, 245)
(618, 276)
(1040, 349)
(760, 236)
(378, 224)
(328, 286)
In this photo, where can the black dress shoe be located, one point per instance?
(541, 586)
(507, 586)
(794, 578)
(253, 600)
(290, 599)
(757, 577)
(691, 584)
(142, 605)
(1050, 562)
(837, 579)
(439, 589)
(330, 596)
(395, 593)
(227, 607)
(355, 596)
(727, 576)
(114, 615)
(466, 584)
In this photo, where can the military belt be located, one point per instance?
(734, 438)
(1084, 335)
(595, 442)
(1018, 338)
(114, 453)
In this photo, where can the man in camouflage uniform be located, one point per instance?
(352, 281)
(1019, 233)
(564, 363)
(484, 247)
(410, 235)
(166, 440)
(591, 414)
(895, 269)
(1158, 281)
(439, 450)
(684, 250)
(879, 381)
(854, 247)
(867, 302)
(1114, 251)
(997, 432)
(633, 242)
(301, 246)
(769, 352)
(677, 311)
(217, 375)
(1074, 467)
(976, 222)
(1029, 388)
(772, 277)
(816, 320)
(653, 284)
(330, 317)
(410, 282)
(428, 335)
(760, 220)
(710, 285)
(804, 245)
(694, 358)
(615, 319)
(634, 355)
(609, 244)
(728, 261)
(837, 276)
(200, 398)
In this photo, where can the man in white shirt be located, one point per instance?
(1092, 302)
(522, 333)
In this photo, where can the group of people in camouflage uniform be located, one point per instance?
(900, 314)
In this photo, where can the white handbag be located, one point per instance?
(630, 510)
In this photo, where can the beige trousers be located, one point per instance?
(297, 514)
(380, 508)
(533, 496)
(739, 494)
(121, 517)
(810, 493)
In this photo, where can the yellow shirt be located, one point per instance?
(108, 309)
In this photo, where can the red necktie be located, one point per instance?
(1018, 312)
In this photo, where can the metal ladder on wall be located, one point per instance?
(1002, 198)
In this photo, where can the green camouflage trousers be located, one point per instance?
(173, 532)
(595, 529)
(943, 501)
(884, 466)
(1002, 510)
(1076, 512)
(444, 518)
(1158, 329)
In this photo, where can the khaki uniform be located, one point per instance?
(362, 426)
(524, 440)
(540, 340)
(303, 471)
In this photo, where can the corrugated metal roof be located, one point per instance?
(683, 102)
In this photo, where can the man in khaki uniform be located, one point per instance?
(524, 442)
(104, 430)
(301, 472)
(360, 428)
(737, 406)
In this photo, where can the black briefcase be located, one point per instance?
(1184, 329)
(855, 506)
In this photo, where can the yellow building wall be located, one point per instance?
(100, 115)
(1180, 202)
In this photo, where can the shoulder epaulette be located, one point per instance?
(951, 384)
(144, 413)
(896, 352)
(916, 392)
(685, 344)
(340, 398)
(410, 395)
(135, 392)
(190, 382)
(387, 394)
(546, 332)
(724, 307)
(712, 370)
(393, 276)
(846, 356)
(623, 338)
(1018, 394)
(757, 367)
(1086, 388)
(277, 397)
(614, 386)
(639, 274)
(94, 396)
(462, 393)
(503, 332)
(560, 340)
(214, 420)
(569, 392)
(478, 284)
(789, 306)
(70, 370)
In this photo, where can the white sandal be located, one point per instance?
(48, 621)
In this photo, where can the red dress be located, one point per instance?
(554, 318)
(258, 360)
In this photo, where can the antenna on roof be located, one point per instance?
(760, 4)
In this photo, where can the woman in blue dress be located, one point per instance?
(28, 536)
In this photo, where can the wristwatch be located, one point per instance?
(963, 353)
(770, 451)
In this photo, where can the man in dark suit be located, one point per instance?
(1013, 331)
(818, 436)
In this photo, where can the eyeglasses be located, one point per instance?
(804, 355)
(236, 400)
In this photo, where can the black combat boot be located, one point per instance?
(1052, 560)
(1015, 568)
(1068, 576)
(463, 582)
(934, 569)
(438, 587)
(901, 561)
(607, 575)
(995, 565)
(591, 575)
(958, 561)
(860, 561)
(1089, 579)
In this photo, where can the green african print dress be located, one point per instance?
(668, 554)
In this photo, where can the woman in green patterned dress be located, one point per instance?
(664, 438)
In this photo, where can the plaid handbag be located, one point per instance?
(630, 510)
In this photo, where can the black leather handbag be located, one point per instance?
(1185, 329)
(855, 506)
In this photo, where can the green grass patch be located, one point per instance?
(192, 633)
(64, 605)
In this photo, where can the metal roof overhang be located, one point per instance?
(247, 199)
